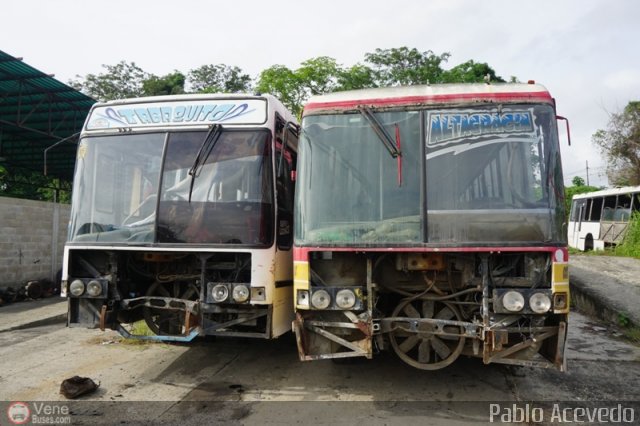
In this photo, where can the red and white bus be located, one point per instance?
(430, 221)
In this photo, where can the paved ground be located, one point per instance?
(607, 286)
(261, 382)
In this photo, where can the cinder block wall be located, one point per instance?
(32, 237)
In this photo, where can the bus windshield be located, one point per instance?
(483, 174)
(135, 189)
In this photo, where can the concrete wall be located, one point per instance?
(32, 237)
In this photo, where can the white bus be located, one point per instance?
(182, 216)
(600, 219)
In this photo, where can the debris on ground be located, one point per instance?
(77, 386)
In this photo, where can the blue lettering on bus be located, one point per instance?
(196, 113)
(456, 125)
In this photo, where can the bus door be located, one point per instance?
(578, 213)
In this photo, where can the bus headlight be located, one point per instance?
(345, 299)
(302, 298)
(76, 288)
(320, 299)
(240, 293)
(220, 293)
(94, 288)
(539, 303)
(513, 301)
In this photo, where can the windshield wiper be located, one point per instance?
(207, 146)
(385, 138)
(382, 133)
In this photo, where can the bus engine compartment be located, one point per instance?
(178, 295)
(430, 307)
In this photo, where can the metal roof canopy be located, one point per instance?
(37, 112)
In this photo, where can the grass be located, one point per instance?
(630, 246)
(632, 334)
(139, 328)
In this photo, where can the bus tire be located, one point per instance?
(588, 243)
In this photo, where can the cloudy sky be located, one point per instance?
(586, 52)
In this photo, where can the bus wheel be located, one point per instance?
(427, 349)
(164, 321)
(588, 243)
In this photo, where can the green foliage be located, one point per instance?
(33, 186)
(318, 75)
(170, 84)
(620, 143)
(631, 243)
(356, 77)
(285, 84)
(403, 66)
(219, 78)
(577, 181)
(623, 319)
(383, 67)
(123, 80)
(470, 72)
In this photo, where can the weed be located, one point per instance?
(623, 320)
(632, 334)
(139, 328)
(630, 246)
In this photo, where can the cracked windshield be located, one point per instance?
(481, 164)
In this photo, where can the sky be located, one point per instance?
(586, 52)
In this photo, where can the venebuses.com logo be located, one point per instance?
(18, 413)
(44, 413)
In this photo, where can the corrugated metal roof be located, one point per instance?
(36, 112)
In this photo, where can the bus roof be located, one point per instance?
(605, 192)
(430, 94)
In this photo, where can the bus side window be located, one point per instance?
(284, 193)
(596, 210)
(609, 208)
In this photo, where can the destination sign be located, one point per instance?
(230, 111)
(452, 125)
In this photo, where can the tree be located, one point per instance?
(219, 78)
(358, 76)
(123, 80)
(170, 84)
(318, 75)
(470, 72)
(28, 184)
(404, 66)
(620, 143)
(283, 83)
(577, 181)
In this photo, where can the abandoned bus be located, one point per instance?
(430, 221)
(182, 216)
(600, 219)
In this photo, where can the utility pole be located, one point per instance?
(587, 172)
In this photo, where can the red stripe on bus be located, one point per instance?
(408, 100)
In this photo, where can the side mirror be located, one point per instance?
(566, 120)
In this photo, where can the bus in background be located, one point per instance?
(430, 221)
(600, 219)
(182, 216)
